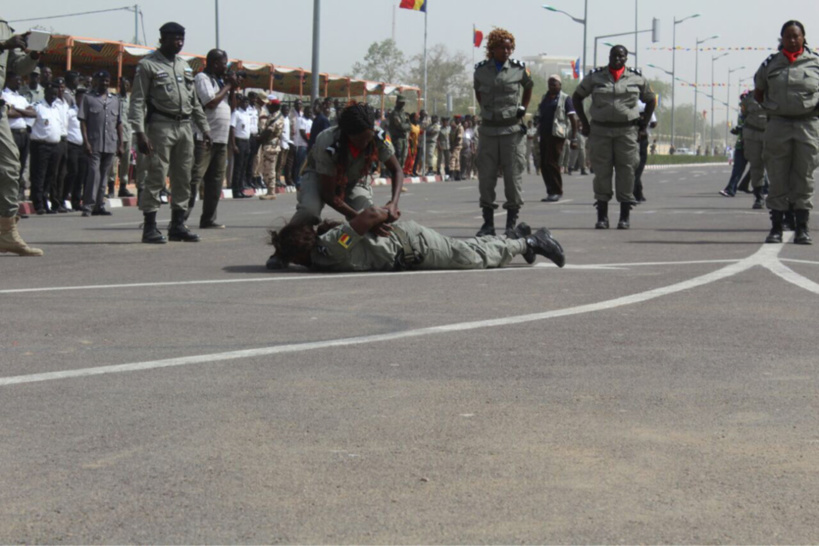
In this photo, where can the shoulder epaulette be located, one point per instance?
(515, 62)
(769, 59)
(598, 69)
(480, 64)
(636, 71)
(380, 134)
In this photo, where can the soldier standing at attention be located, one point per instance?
(399, 129)
(456, 142)
(753, 132)
(498, 82)
(615, 130)
(431, 139)
(271, 123)
(163, 102)
(20, 63)
(787, 86)
(443, 148)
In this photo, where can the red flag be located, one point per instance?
(416, 5)
(477, 37)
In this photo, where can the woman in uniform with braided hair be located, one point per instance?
(337, 171)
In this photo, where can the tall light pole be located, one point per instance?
(217, 23)
(674, 71)
(316, 77)
(636, 33)
(584, 21)
(728, 101)
(713, 59)
(697, 80)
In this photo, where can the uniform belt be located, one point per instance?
(175, 117)
(631, 123)
(810, 115)
(500, 122)
(407, 257)
(752, 128)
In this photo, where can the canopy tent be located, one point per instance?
(89, 54)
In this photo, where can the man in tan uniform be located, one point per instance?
(456, 141)
(271, 127)
(21, 64)
(614, 131)
(163, 103)
(498, 82)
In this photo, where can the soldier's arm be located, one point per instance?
(199, 117)
(368, 219)
(760, 84)
(333, 196)
(18, 61)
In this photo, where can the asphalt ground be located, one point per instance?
(661, 388)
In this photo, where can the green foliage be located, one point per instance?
(384, 62)
(446, 74)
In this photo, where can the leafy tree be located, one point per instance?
(446, 74)
(384, 62)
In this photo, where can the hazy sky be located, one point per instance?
(281, 31)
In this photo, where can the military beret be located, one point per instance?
(172, 28)
(102, 74)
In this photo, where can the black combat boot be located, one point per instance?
(788, 220)
(638, 192)
(759, 201)
(511, 220)
(802, 236)
(488, 227)
(602, 215)
(150, 234)
(178, 231)
(625, 211)
(775, 236)
(541, 242)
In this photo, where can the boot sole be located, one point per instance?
(183, 240)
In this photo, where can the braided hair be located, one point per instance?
(292, 240)
(356, 118)
(496, 38)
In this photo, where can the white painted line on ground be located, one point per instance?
(766, 257)
(335, 276)
(799, 261)
(784, 272)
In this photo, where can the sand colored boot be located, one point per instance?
(10, 240)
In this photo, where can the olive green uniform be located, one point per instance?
(753, 132)
(163, 103)
(431, 139)
(613, 143)
(399, 128)
(410, 246)
(502, 134)
(323, 159)
(22, 64)
(791, 138)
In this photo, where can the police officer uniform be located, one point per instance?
(431, 139)
(10, 240)
(400, 127)
(163, 104)
(791, 137)
(323, 159)
(614, 146)
(753, 132)
(502, 141)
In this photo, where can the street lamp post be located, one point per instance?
(713, 59)
(697, 80)
(584, 21)
(674, 70)
(728, 101)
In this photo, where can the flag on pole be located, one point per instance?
(576, 69)
(477, 37)
(415, 5)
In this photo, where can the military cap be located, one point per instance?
(102, 74)
(36, 70)
(172, 28)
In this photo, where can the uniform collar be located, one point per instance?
(616, 74)
(792, 56)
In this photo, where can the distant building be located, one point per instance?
(545, 65)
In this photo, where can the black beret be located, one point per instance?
(172, 28)
(102, 74)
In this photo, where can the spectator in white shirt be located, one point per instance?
(19, 111)
(305, 123)
(76, 159)
(65, 99)
(285, 165)
(252, 176)
(45, 142)
(240, 144)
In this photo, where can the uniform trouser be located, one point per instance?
(22, 140)
(753, 148)
(467, 162)
(209, 166)
(431, 157)
(736, 173)
(281, 168)
(577, 157)
(76, 161)
(270, 166)
(172, 155)
(141, 170)
(551, 150)
(57, 186)
(615, 155)
(9, 170)
(96, 181)
(400, 146)
(120, 167)
(298, 162)
(440, 252)
(455, 158)
(638, 172)
(565, 156)
(359, 196)
(535, 151)
(45, 160)
(240, 159)
(791, 155)
(443, 161)
(252, 165)
(507, 152)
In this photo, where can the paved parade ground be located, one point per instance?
(660, 388)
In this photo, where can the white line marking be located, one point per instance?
(766, 257)
(784, 272)
(334, 276)
(799, 261)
